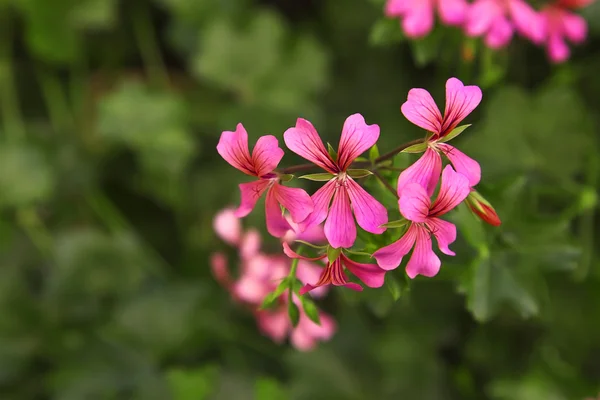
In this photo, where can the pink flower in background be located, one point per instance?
(233, 147)
(561, 24)
(418, 16)
(333, 273)
(348, 197)
(415, 205)
(497, 19)
(421, 110)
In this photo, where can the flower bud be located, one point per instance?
(482, 208)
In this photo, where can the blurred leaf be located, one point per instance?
(196, 384)
(25, 176)
(310, 309)
(269, 389)
(94, 14)
(293, 313)
(393, 286)
(385, 32)
(425, 50)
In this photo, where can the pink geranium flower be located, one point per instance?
(497, 19)
(333, 273)
(233, 147)
(561, 24)
(421, 110)
(415, 205)
(348, 197)
(418, 15)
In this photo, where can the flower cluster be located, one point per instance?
(497, 20)
(261, 273)
(342, 203)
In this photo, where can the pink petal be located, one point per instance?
(396, 8)
(462, 163)
(390, 256)
(250, 244)
(274, 324)
(227, 226)
(423, 260)
(357, 137)
(340, 228)
(276, 222)
(295, 200)
(251, 290)
(527, 21)
(444, 232)
(321, 200)
(452, 12)
(418, 20)
(310, 273)
(266, 155)
(499, 34)
(233, 147)
(421, 110)
(324, 331)
(425, 171)
(461, 100)
(481, 15)
(414, 203)
(292, 254)
(557, 48)
(574, 27)
(370, 274)
(370, 214)
(305, 141)
(251, 192)
(454, 189)
(218, 265)
(314, 234)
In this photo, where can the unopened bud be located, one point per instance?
(482, 208)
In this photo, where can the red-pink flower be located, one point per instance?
(418, 15)
(497, 19)
(421, 110)
(482, 208)
(233, 147)
(333, 273)
(560, 24)
(348, 197)
(416, 206)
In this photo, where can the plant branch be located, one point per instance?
(397, 150)
(385, 183)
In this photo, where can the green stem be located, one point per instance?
(149, 49)
(385, 183)
(292, 275)
(56, 101)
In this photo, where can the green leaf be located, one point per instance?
(373, 153)
(393, 286)
(416, 148)
(272, 297)
(269, 389)
(333, 253)
(331, 151)
(293, 313)
(310, 309)
(401, 223)
(386, 31)
(359, 173)
(455, 132)
(320, 177)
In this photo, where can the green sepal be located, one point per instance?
(320, 177)
(331, 151)
(314, 246)
(286, 177)
(393, 286)
(416, 148)
(373, 153)
(359, 253)
(294, 313)
(359, 173)
(455, 132)
(310, 309)
(333, 253)
(272, 297)
(401, 223)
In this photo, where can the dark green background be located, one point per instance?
(109, 179)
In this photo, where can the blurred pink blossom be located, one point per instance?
(560, 24)
(418, 16)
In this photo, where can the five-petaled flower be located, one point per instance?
(347, 195)
(497, 19)
(559, 23)
(418, 15)
(233, 147)
(333, 273)
(416, 206)
(421, 110)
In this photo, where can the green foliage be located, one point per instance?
(109, 179)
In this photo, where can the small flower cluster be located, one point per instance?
(260, 274)
(497, 20)
(342, 203)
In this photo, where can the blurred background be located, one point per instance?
(109, 181)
